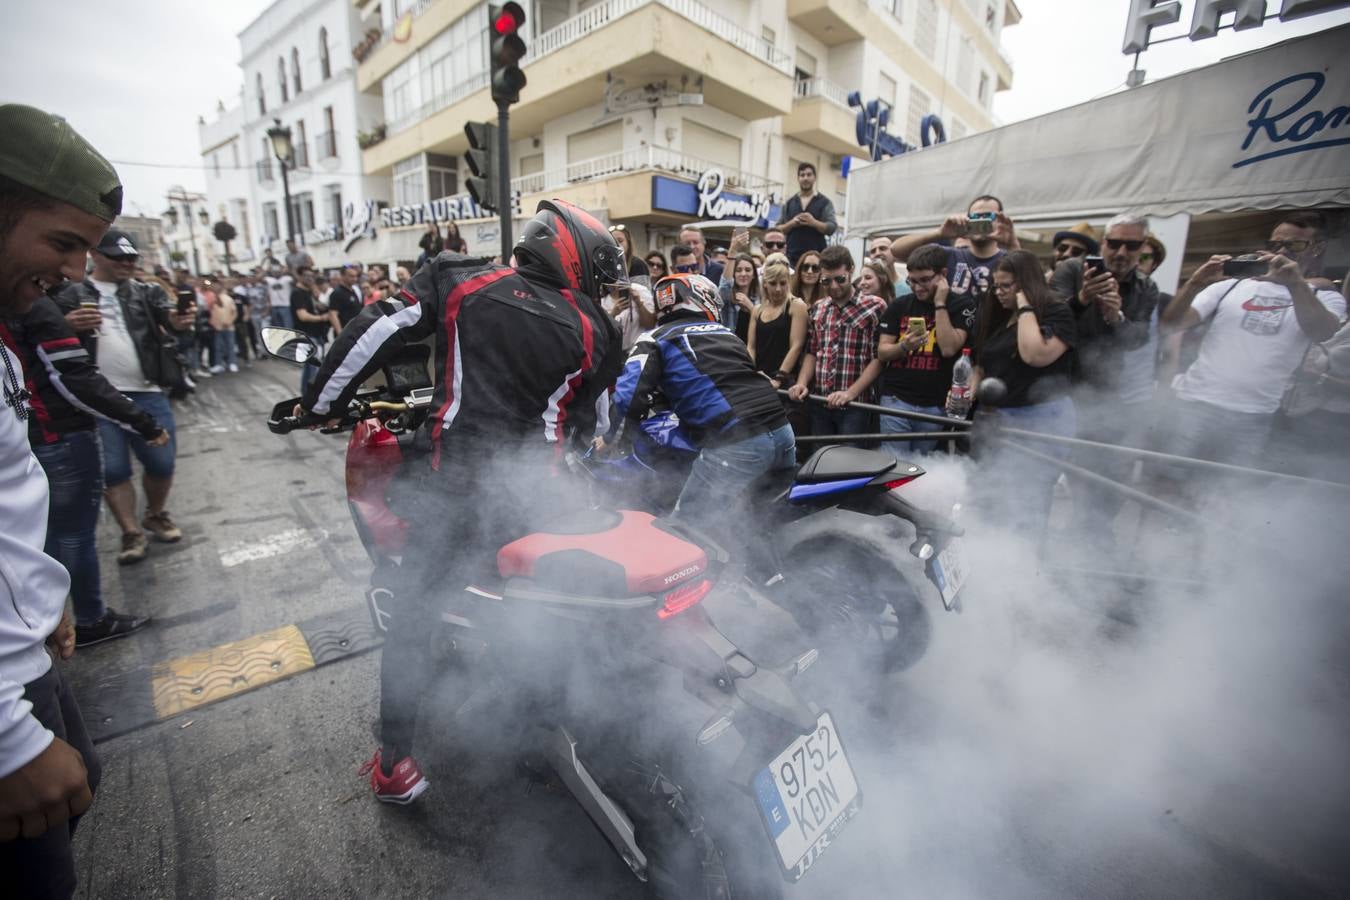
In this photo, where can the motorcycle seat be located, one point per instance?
(836, 462)
(604, 553)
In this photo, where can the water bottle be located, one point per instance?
(958, 401)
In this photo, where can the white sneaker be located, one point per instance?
(234, 368)
(217, 369)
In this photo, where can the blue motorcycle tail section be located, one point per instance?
(802, 492)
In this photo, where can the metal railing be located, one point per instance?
(416, 9)
(300, 156)
(600, 15)
(325, 145)
(660, 159)
(822, 87)
(265, 171)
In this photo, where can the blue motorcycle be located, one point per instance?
(845, 553)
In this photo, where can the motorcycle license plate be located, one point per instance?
(949, 572)
(806, 796)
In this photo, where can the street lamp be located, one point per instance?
(182, 196)
(280, 136)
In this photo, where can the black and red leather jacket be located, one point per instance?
(67, 391)
(519, 362)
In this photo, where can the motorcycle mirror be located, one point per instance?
(991, 391)
(288, 344)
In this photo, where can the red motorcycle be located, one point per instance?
(695, 806)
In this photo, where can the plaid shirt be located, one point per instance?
(843, 340)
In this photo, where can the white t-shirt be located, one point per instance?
(1252, 347)
(33, 586)
(279, 289)
(117, 359)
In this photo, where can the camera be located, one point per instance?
(980, 223)
(1245, 266)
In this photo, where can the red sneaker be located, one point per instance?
(404, 786)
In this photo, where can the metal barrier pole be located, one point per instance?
(1169, 458)
(889, 436)
(1124, 490)
(887, 411)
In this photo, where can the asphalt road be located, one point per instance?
(258, 795)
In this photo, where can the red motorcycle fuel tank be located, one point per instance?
(373, 458)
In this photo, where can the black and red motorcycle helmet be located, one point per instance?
(573, 246)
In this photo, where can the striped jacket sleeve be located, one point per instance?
(71, 372)
(380, 330)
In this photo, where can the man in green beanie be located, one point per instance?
(57, 198)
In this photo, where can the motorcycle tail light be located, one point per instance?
(683, 597)
(892, 485)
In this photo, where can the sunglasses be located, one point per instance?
(1070, 249)
(1294, 246)
(836, 279)
(808, 267)
(1116, 244)
(687, 268)
(775, 245)
(614, 228)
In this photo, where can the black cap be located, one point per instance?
(117, 244)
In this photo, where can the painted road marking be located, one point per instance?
(272, 545)
(201, 678)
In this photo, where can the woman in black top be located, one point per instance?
(453, 242)
(778, 328)
(635, 266)
(1025, 337)
(806, 279)
(656, 266)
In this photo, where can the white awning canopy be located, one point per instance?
(1267, 129)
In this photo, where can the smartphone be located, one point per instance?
(980, 223)
(1093, 265)
(916, 323)
(1245, 266)
(187, 301)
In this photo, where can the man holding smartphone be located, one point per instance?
(968, 270)
(921, 337)
(1259, 330)
(808, 216)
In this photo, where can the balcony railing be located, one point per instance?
(325, 145)
(821, 87)
(300, 156)
(265, 171)
(372, 43)
(659, 159)
(594, 18)
(577, 27)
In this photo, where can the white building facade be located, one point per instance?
(632, 104)
(298, 71)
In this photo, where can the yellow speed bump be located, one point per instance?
(201, 678)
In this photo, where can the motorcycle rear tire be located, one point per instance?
(674, 850)
(842, 568)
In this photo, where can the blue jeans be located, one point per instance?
(119, 444)
(826, 421)
(310, 367)
(227, 350)
(1021, 489)
(281, 317)
(897, 425)
(74, 467)
(721, 474)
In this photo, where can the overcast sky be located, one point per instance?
(134, 76)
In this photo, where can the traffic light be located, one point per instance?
(505, 51)
(483, 185)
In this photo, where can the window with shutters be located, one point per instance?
(325, 64)
(595, 142)
(920, 104)
(805, 65)
(926, 27)
(710, 145)
(281, 80)
(295, 69)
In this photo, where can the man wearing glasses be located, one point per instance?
(919, 360)
(1073, 243)
(692, 237)
(841, 349)
(1113, 307)
(1260, 328)
(684, 259)
(774, 242)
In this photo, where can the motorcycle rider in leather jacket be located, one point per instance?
(703, 371)
(523, 358)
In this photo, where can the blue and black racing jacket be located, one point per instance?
(703, 372)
